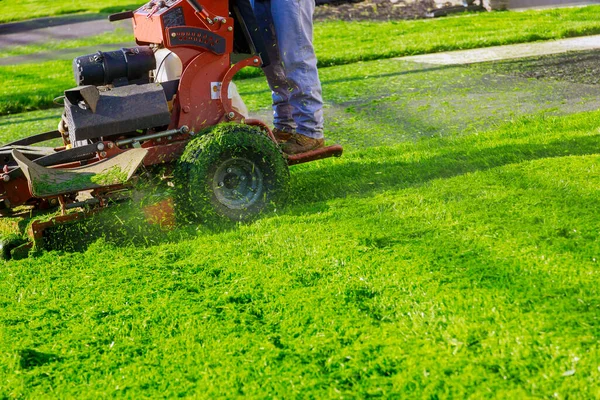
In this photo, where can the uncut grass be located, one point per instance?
(442, 267)
(343, 42)
(33, 86)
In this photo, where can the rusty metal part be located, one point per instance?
(47, 182)
(263, 126)
(319, 154)
(37, 228)
(162, 214)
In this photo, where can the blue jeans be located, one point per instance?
(287, 27)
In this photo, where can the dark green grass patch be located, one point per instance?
(576, 67)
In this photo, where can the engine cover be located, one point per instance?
(117, 111)
(104, 68)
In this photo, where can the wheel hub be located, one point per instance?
(238, 183)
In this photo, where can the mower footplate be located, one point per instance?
(47, 182)
(314, 155)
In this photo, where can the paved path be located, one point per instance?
(508, 52)
(47, 22)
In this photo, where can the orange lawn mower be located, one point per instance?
(166, 109)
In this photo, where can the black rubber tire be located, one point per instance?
(234, 172)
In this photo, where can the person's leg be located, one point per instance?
(282, 110)
(293, 23)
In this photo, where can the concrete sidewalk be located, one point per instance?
(508, 52)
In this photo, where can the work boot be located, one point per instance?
(301, 144)
(283, 135)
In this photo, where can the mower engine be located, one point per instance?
(115, 97)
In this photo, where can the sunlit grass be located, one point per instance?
(11, 10)
(451, 253)
(442, 267)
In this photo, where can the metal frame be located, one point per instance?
(205, 60)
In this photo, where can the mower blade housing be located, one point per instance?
(47, 182)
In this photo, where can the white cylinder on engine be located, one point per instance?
(168, 65)
(169, 68)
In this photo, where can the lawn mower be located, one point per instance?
(164, 109)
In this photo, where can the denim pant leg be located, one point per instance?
(294, 78)
(282, 109)
(293, 21)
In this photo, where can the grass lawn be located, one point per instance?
(34, 86)
(11, 10)
(117, 36)
(444, 256)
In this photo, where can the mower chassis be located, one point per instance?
(193, 110)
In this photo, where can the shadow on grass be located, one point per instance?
(29, 359)
(362, 177)
(371, 175)
(417, 68)
(377, 171)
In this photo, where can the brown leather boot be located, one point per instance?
(301, 144)
(283, 135)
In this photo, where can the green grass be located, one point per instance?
(33, 86)
(439, 258)
(442, 268)
(118, 36)
(421, 101)
(341, 42)
(11, 10)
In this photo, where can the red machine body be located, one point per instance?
(203, 41)
(206, 39)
